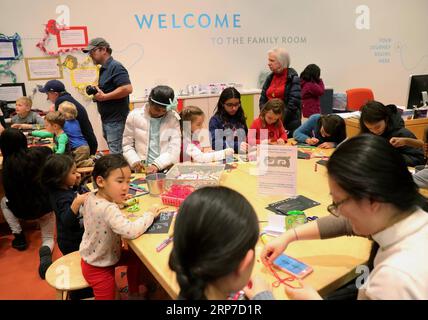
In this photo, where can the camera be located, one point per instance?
(91, 90)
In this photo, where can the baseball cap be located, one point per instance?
(94, 43)
(53, 86)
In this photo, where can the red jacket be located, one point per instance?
(311, 93)
(275, 131)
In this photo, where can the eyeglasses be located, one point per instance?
(231, 105)
(91, 52)
(334, 207)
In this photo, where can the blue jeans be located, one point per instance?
(113, 133)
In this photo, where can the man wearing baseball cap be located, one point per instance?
(57, 94)
(114, 88)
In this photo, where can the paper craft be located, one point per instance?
(276, 225)
(162, 223)
(83, 76)
(11, 91)
(44, 68)
(72, 37)
(294, 203)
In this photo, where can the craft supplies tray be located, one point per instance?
(195, 175)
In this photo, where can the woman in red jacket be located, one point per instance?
(312, 89)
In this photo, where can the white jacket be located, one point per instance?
(136, 138)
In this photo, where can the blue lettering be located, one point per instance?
(162, 20)
(207, 18)
(185, 21)
(220, 23)
(236, 20)
(144, 19)
(174, 25)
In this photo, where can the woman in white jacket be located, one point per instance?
(152, 135)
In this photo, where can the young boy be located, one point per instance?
(54, 124)
(79, 146)
(25, 118)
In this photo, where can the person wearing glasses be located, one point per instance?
(114, 88)
(373, 196)
(283, 83)
(228, 127)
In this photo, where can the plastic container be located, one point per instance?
(195, 175)
(294, 218)
(176, 194)
(156, 183)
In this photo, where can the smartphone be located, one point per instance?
(292, 266)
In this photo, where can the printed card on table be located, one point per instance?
(277, 166)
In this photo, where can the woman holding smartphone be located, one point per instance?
(373, 196)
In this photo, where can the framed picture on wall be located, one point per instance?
(11, 91)
(43, 68)
(8, 49)
(72, 37)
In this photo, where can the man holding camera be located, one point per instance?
(56, 93)
(113, 90)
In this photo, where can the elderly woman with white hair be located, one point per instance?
(283, 83)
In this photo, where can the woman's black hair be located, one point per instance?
(107, 164)
(333, 125)
(162, 94)
(311, 73)
(214, 230)
(12, 141)
(56, 170)
(375, 111)
(369, 167)
(226, 94)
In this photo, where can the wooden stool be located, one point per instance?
(65, 274)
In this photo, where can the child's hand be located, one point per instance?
(156, 210)
(256, 285)
(137, 166)
(397, 142)
(229, 152)
(280, 141)
(152, 169)
(243, 147)
(326, 145)
(304, 293)
(312, 141)
(82, 197)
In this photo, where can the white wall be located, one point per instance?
(181, 56)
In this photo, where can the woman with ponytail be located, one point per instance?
(215, 235)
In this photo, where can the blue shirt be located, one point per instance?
(154, 141)
(113, 75)
(75, 136)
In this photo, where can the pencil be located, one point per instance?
(164, 243)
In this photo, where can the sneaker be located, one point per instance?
(19, 243)
(45, 260)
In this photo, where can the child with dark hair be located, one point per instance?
(312, 89)
(54, 124)
(101, 247)
(66, 195)
(194, 117)
(324, 131)
(152, 135)
(228, 127)
(24, 196)
(213, 253)
(386, 122)
(373, 196)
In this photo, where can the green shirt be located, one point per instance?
(61, 140)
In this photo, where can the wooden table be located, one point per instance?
(334, 261)
(417, 126)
